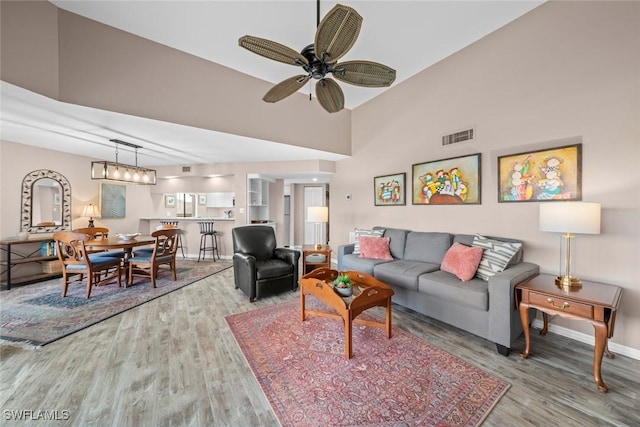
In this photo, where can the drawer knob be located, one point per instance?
(564, 305)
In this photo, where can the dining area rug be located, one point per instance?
(402, 381)
(37, 315)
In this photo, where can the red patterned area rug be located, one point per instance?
(36, 314)
(402, 381)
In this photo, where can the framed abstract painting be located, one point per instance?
(453, 181)
(389, 190)
(542, 175)
(113, 200)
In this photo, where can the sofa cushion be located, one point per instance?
(403, 273)
(427, 247)
(446, 286)
(398, 239)
(377, 232)
(496, 255)
(375, 247)
(467, 239)
(355, 263)
(462, 261)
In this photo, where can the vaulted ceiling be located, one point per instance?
(409, 36)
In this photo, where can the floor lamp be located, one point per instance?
(569, 218)
(318, 215)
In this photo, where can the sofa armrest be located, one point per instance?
(342, 251)
(504, 323)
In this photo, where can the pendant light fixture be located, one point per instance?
(116, 171)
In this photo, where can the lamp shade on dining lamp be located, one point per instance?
(569, 218)
(318, 215)
(91, 211)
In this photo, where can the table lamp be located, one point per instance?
(318, 215)
(568, 218)
(91, 211)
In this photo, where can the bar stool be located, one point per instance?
(206, 229)
(175, 224)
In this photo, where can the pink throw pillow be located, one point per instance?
(374, 247)
(461, 260)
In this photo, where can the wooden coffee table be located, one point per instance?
(367, 292)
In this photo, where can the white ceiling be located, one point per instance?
(406, 35)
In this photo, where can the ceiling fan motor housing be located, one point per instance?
(317, 68)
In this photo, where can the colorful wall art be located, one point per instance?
(454, 181)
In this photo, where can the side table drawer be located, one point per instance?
(562, 305)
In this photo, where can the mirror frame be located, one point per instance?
(27, 200)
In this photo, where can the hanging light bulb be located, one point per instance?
(136, 176)
(127, 174)
(116, 174)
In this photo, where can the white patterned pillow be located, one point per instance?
(496, 255)
(379, 232)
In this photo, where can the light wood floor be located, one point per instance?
(173, 362)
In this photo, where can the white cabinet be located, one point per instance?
(221, 200)
(257, 200)
(258, 192)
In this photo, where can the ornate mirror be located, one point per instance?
(46, 202)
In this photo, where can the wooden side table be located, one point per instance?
(595, 302)
(308, 266)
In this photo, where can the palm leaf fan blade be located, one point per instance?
(285, 88)
(330, 95)
(272, 50)
(364, 73)
(337, 33)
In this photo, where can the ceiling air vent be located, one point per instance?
(461, 136)
(186, 169)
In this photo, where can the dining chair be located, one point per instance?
(76, 260)
(164, 253)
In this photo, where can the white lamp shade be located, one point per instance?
(570, 217)
(317, 214)
(91, 211)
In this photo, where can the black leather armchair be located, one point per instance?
(258, 266)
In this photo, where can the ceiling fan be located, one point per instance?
(335, 35)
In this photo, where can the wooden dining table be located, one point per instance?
(118, 243)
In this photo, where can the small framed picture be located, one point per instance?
(538, 176)
(453, 181)
(202, 199)
(169, 201)
(389, 190)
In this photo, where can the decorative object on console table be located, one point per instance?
(552, 174)
(318, 215)
(92, 212)
(454, 181)
(567, 218)
(389, 190)
(595, 302)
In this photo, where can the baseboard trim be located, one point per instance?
(588, 339)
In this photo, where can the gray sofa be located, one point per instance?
(484, 308)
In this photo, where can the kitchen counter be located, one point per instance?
(191, 233)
